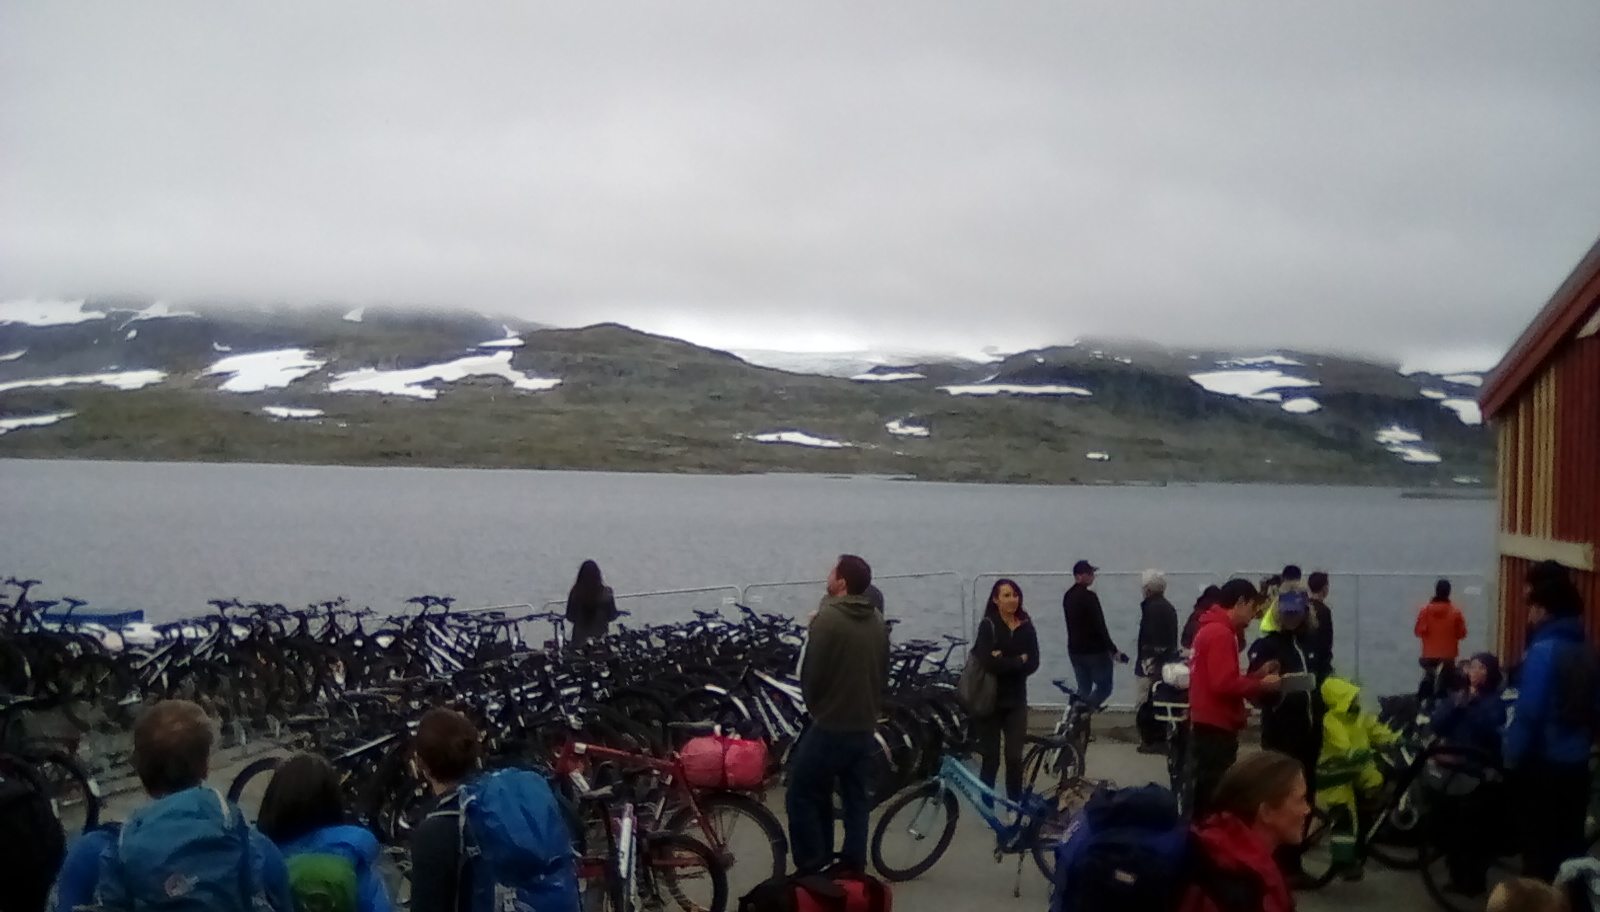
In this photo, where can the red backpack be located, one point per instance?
(836, 890)
(720, 762)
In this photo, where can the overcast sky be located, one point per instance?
(1386, 177)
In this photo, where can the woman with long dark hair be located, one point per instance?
(591, 606)
(1008, 646)
(303, 814)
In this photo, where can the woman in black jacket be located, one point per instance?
(591, 607)
(1008, 646)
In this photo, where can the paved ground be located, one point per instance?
(968, 879)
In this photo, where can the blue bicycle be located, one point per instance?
(918, 823)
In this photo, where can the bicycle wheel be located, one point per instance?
(74, 796)
(747, 837)
(250, 785)
(1052, 829)
(1317, 852)
(685, 872)
(918, 825)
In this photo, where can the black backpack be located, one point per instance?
(32, 842)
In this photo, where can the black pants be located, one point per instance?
(1471, 829)
(1432, 674)
(1012, 723)
(1552, 802)
(1299, 736)
(1211, 751)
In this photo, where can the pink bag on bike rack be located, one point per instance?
(721, 762)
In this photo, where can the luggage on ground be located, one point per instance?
(837, 889)
(1127, 849)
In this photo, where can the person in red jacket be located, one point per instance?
(1441, 628)
(1259, 805)
(1218, 691)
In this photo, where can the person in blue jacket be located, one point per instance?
(303, 813)
(1552, 726)
(110, 868)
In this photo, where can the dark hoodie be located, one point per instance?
(1009, 668)
(846, 665)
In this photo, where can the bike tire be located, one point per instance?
(74, 796)
(749, 860)
(1317, 850)
(909, 805)
(674, 860)
(265, 766)
(1435, 874)
(1048, 838)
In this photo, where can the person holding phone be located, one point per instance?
(1291, 719)
(1089, 645)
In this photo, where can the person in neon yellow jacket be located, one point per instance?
(1347, 770)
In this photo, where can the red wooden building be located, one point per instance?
(1544, 400)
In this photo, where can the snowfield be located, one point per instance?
(1260, 385)
(409, 382)
(1305, 405)
(124, 380)
(796, 438)
(257, 371)
(47, 312)
(1406, 444)
(888, 377)
(1014, 389)
(284, 411)
(26, 421)
(900, 428)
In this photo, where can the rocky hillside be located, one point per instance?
(136, 380)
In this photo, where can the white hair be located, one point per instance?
(1153, 581)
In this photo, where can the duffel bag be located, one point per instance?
(721, 762)
(838, 889)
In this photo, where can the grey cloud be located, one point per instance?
(1371, 176)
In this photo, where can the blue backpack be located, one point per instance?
(517, 844)
(1127, 849)
(187, 852)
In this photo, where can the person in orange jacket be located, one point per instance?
(1441, 628)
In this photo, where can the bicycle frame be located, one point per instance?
(955, 776)
(568, 764)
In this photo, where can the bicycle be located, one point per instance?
(1387, 829)
(1064, 752)
(640, 866)
(928, 812)
(74, 794)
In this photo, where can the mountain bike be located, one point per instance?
(918, 824)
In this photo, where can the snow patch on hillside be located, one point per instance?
(26, 421)
(356, 315)
(1407, 444)
(47, 312)
(891, 377)
(1305, 405)
(1260, 385)
(796, 438)
(160, 310)
(12, 356)
(1463, 379)
(409, 382)
(284, 411)
(1259, 361)
(256, 371)
(1097, 457)
(123, 380)
(1014, 389)
(1466, 409)
(900, 428)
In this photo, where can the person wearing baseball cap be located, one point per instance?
(1089, 645)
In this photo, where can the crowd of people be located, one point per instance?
(1249, 812)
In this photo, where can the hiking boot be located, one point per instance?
(1157, 749)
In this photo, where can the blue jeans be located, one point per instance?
(822, 761)
(1093, 671)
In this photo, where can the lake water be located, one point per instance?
(165, 537)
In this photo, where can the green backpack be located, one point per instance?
(322, 882)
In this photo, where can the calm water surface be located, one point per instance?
(164, 537)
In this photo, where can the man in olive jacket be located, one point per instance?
(843, 673)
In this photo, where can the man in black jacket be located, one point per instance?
(1321, 632)
(1089, 645)
(1158, 644)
